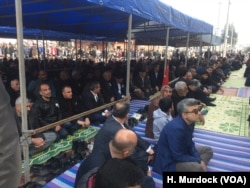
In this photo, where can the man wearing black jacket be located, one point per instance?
(47, 110)
(37, 142)
(70, 106)
(92, 98)
(121, 147)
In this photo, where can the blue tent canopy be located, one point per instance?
(159, 12)
(97, 18)
(10, 32)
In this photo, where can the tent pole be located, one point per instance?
(103, 51)
(187, 46)
(211, 40)
(124, 44)
(135, 50)
(226, 32)
(200, 51)
(80, 48)
(76, 48)
(44, 49)
(128, 53)
(19, 24)
(37, 47)
(106, 57)
(166, 51)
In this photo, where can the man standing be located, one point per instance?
(176, 150)
(10, 157)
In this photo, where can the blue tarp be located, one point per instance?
(10, 32)
(159, 12)
(97, 18)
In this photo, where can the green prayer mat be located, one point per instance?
(229, 116)
(236, 78)
(62, 145)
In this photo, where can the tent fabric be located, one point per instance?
(10, 32)
(97, 18)
(159, 12)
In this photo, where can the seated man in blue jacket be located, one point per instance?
(176, 150)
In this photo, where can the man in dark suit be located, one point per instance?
(156, 77)
(121, 146)
(118, 86)
(117, 121)
(106, 86)
(142, 81)
(92, 98)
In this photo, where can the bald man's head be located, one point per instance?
(124, 142)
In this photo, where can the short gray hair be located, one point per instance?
(180, 85)
(19, 101)
(195, 83)
(184, 103)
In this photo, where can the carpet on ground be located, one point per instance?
(236, 78)
(228, 91)
(244, 92)
(60, 146)
(229, 116)
(231, 153)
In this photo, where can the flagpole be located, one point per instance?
(166, 73)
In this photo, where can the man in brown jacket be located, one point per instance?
(166, 91)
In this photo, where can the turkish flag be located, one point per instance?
(166, 76)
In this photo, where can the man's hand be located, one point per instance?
(204, 166)
(58, 128)
(112, 99)
(38, 142)
(202, 120)
(151, 155)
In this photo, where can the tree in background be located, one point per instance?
(232, 35)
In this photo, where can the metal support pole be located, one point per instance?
(128, 53)
(44, 48)
(37, 48)
(166, 51)
(19, 24)
(226, 32)
(187, 46)
(200, 50)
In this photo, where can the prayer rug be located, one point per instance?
(62, 145)
(229, 116)
(231, 153)
(228, 91)
(244, 92)
(236, 78)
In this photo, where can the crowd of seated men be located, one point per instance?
(92, 84)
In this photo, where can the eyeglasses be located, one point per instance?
(195, 111)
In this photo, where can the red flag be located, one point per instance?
(166, 76)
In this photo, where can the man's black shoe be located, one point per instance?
(211, 104)
(212, 99)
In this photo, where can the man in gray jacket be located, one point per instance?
(10, 157)
(162, 116)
